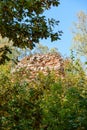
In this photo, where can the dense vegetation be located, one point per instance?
(48, 102)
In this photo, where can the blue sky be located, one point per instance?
(66, 13)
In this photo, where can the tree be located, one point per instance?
(41, 49)
(80, 34)
(23, 21)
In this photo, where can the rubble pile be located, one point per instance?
(42, 62)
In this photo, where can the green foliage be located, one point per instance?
(24, 21)
(47, 102)
(64, 108)
(19, 104)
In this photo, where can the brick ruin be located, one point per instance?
(42, 63)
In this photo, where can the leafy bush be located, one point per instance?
(64, 109)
